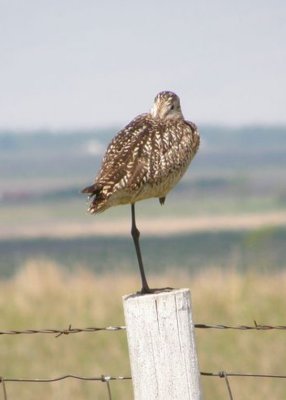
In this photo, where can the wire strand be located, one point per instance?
(221, 374)
(60, 332)
(71, 330)
(102, 378)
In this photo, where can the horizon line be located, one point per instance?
(118, 127)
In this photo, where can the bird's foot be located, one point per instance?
(144, 291)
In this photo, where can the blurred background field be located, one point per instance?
(44, 295)
(221, 233)
(231, 202)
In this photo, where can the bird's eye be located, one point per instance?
(172, 107)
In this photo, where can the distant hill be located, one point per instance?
(47, 160)
(256, 137)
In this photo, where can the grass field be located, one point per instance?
(47, 296)
(222, 232)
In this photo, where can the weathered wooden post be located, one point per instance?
(162, 351)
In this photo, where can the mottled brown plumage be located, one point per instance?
(146, 158)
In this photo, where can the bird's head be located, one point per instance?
(166, 106)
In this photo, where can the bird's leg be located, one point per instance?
(135, 235)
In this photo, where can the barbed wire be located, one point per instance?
(107, 379)
(255, 326)
(60, 332)
(71, 330)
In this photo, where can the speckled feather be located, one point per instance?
(146, 158)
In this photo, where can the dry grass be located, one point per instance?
(43, 296)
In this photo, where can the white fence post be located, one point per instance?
(162, 351)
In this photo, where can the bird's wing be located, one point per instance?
(123, 158)
(173, 147)
(122, 142)
(146, 152)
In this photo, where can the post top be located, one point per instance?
(158, 294)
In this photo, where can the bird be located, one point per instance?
(146, 159)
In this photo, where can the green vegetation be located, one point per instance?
(263, 250)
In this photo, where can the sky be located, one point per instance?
(88, 63)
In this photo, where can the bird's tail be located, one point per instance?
(91, 190)
(99, 201)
